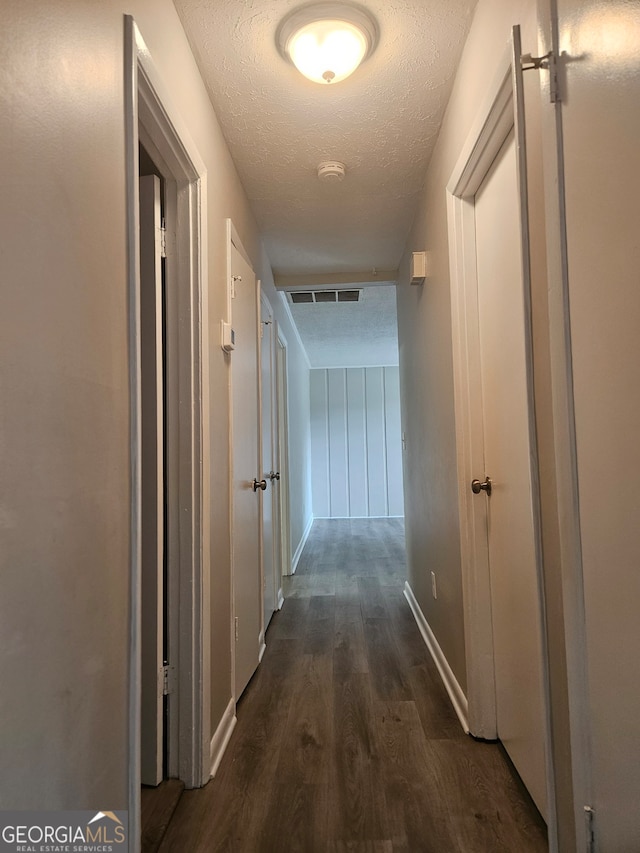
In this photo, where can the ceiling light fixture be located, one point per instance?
(327, 41)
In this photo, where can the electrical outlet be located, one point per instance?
(434, 586)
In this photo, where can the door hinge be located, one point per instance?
(589, 818)
(168, 680)
(163, 240)
(234, 279)
(236, 624)
(264, 323)
(550, 63)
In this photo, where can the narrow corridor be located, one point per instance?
(346, 739)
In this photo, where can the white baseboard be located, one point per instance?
(221, 737)
(280, 599)
(456, 694)
(353, 517)
(263, 649)
(300, 548)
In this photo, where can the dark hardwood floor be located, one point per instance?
(346, 740)
(157, 807)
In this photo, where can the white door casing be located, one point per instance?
(270, 472)
(151, 118)
(152, 520)
(283, 461)
(246, 495)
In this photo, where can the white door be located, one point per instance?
(247, 495)
(512, 546)
(270, 527)
(151, 346)
(284, 551)
(600, 107)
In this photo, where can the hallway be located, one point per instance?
(346, 739)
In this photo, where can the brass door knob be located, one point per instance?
(477, 486)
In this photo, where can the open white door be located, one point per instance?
(270, 472)
(516, 622)
(152, 481)
(497, 440)
(248, 486)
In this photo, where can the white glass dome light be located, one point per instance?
(327, 51)
(327, 41)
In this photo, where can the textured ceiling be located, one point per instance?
(361, 334)
(382, 123)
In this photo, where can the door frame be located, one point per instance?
(152, 451)
(268, 328)
(501, 111)
(151, 118)
(569, 554)
(282, 419)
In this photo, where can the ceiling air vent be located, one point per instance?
(301, 297)
(348, 295)
(325, 296)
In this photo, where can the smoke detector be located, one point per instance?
(331, 172)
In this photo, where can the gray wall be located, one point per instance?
(424, 330)
(356, 452)
(64, 423)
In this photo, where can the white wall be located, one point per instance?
(356, 457)
(424, 328)
(64, 428)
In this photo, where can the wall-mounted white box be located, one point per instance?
(228, 337)
(418, 267)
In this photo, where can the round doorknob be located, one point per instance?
(259, 484)
(274, 475)
(477, 486)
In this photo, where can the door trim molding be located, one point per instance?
(282, 380)
(268, 330)
(569, 557)
(151, 117)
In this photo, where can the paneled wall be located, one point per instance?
(356, 447)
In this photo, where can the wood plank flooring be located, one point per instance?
(158, 805)
(346, 741)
